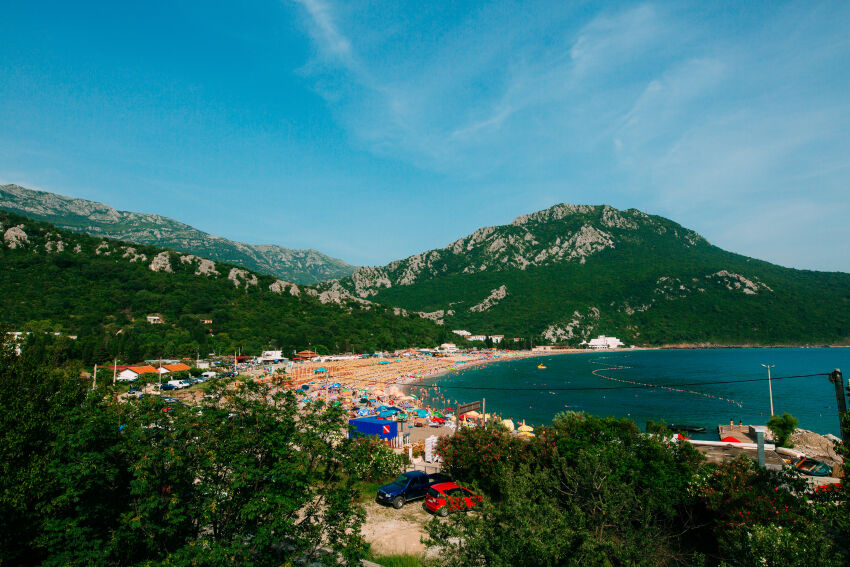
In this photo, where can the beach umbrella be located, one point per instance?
(509, 424)
(401, 416)
(364, 400)
(730, 440)
(363, 411)
(387, 413)
(473, 414)
(525, 428)
(378, 392)
(525, 434)
(420, 413)
(414, 397)
(438, 419)
(437, 414)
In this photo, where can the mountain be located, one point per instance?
(570, 272)
(79, 215)
(102, 291)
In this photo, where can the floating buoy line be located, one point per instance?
(598, 372)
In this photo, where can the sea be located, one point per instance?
(700, 387)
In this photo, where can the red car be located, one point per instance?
(449, 497)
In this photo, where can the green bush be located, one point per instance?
(783, 428)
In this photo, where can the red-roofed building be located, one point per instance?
(179, 367)
(130, 373)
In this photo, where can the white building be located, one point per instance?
(154, 319)
(461, 332)
(477, 338)
(497, 338)
(449, 347)
(272, 356)
(602, 342)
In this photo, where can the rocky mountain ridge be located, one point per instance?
(567, 272)
(97, 219)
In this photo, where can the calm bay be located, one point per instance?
(703, 387)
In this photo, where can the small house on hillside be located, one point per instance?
(130, 373)
(154, 319)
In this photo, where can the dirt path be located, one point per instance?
(392, 531)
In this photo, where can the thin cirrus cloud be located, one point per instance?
(689, 114)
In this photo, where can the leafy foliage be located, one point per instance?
(241, 478)
(783, 427)
(597, 491)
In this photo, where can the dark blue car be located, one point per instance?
(411, 485)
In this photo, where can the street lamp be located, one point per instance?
(770, 386)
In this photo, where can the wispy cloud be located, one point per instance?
(332, 43)
(648, 106)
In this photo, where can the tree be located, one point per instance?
(244, 477)
(783, 428)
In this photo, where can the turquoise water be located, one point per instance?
(811, 400)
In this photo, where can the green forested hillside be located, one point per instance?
(571, 272)
(102, 291)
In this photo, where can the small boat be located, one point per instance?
(812, 467)
(688, 428)
(541, 367)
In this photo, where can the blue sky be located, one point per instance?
(375, 130)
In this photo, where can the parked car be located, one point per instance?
(165, 387)
(409, 486)
(448, 497)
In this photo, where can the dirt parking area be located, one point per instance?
(392, 531)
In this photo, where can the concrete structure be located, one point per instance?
(154, 319)
(477, 338)
(462, 332)
(449, 347)
(542, 348)
(272, 356)
(497, 338)
(603, 342)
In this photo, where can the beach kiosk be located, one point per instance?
(383, 428)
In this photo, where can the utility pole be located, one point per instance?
(837, 381)
(770, 386)
(94, 380)
(114, 370)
